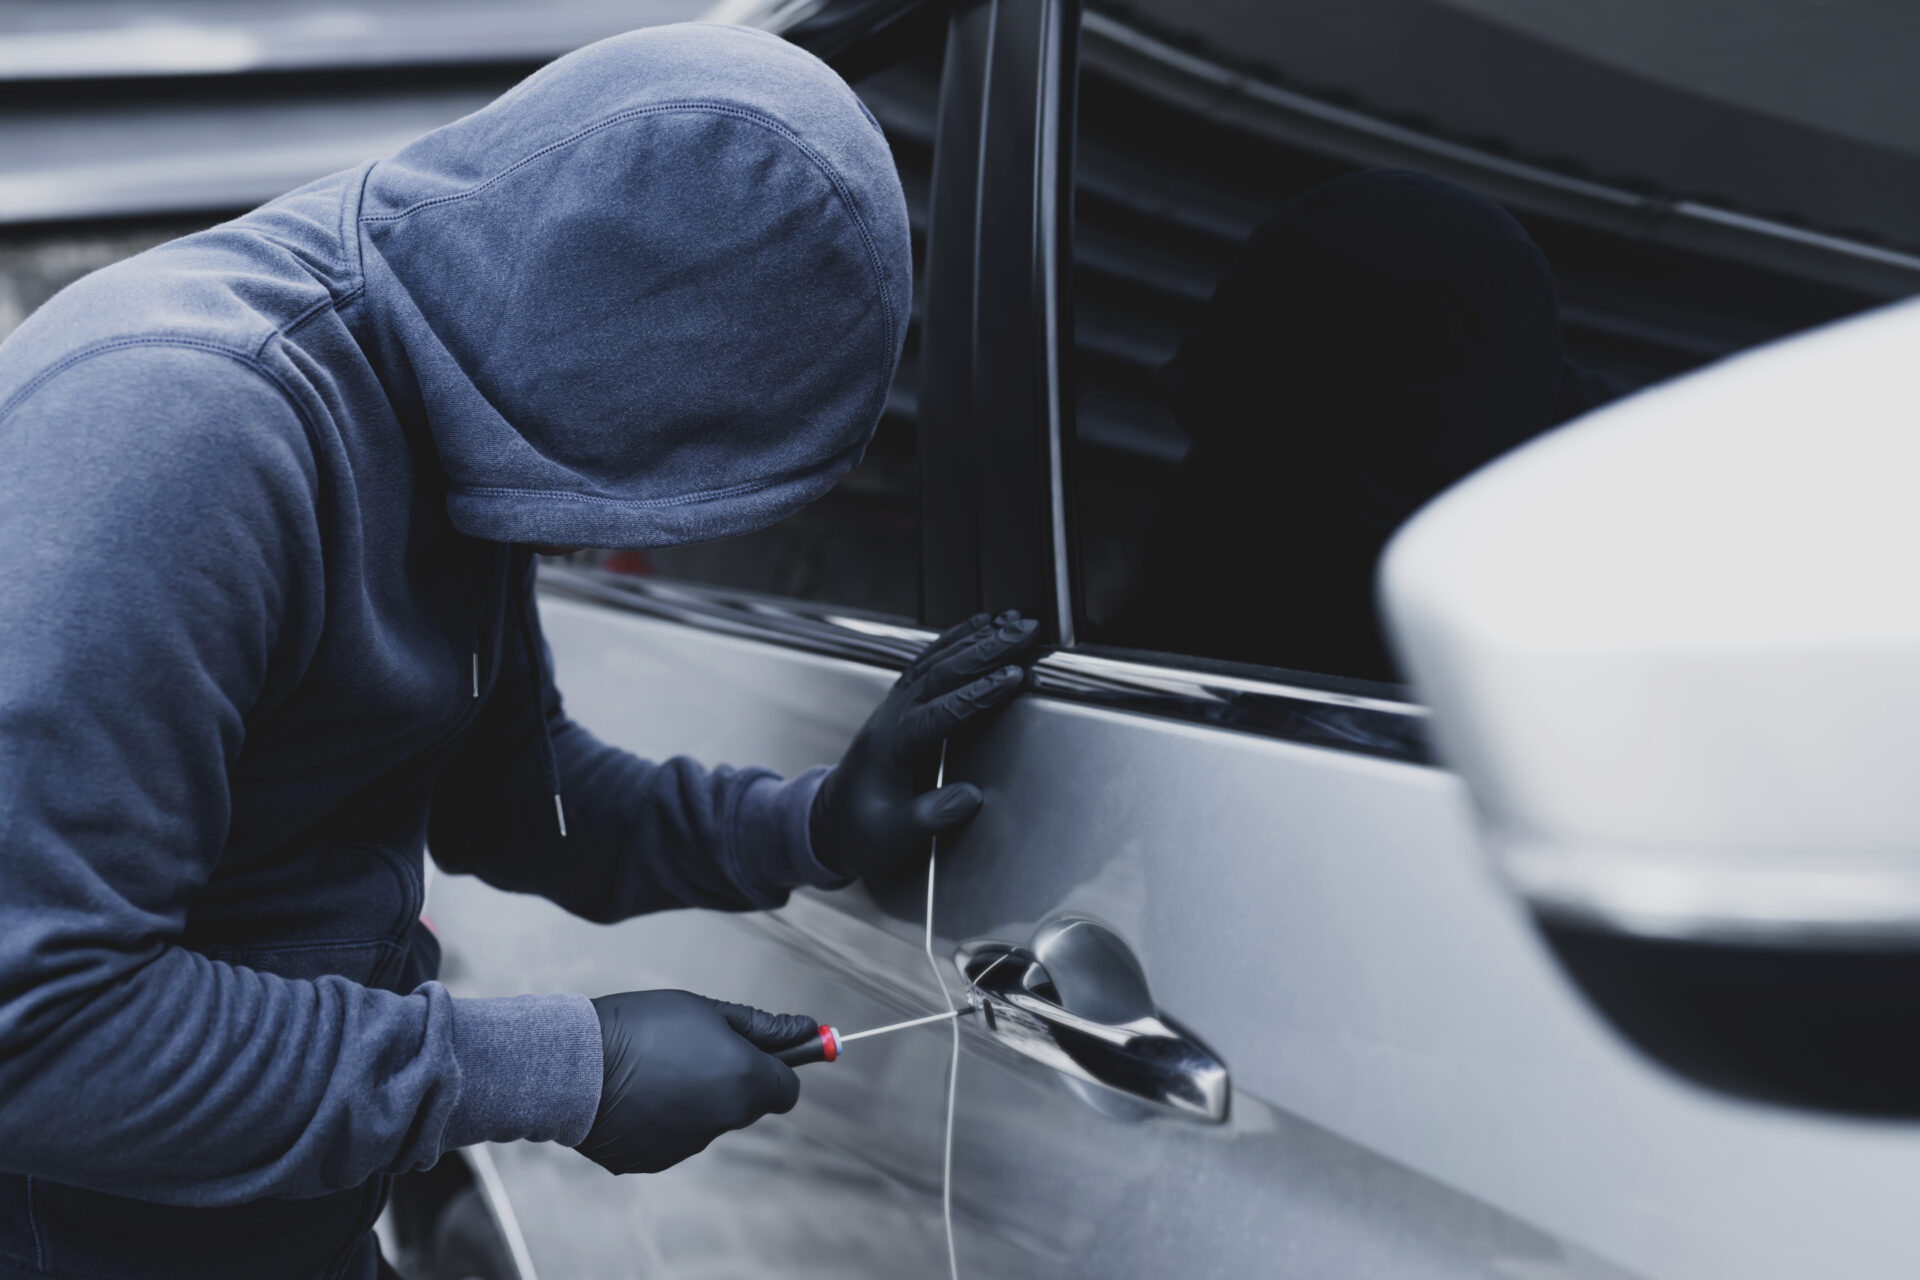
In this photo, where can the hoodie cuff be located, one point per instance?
(774, 816)
(530, 1069)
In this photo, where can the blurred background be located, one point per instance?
(127, 122)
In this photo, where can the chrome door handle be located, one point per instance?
(1150, 1057)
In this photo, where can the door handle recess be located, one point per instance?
(1150, 1058)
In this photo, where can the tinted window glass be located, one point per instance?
(1289, 334)
(1805, 110)
(859, 545)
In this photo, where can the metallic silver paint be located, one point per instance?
(1327, 923)
(1417, 1090)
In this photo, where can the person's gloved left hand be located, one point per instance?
(875, 810)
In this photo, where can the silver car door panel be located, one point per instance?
(1264, 1195)
(1409, 1071)
(1326, 921)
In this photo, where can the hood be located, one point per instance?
(654, 294)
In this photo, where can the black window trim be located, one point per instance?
(992, 360)
(1353, 719)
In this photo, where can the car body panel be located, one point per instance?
(1417, 1089)
(1329, 924)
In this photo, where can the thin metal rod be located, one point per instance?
(953, 1059)
(902, 1026)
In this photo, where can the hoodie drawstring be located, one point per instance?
(473, 625)
(537, 667)
(475, 612)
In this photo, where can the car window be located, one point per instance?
(859, 545)
(1297, 317)
(1804, 110)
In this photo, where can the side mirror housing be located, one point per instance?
(1674, 651)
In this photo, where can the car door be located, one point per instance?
(1260, 1007)
(769, 649)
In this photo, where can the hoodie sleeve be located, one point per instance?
(640, 836)
(159, 506)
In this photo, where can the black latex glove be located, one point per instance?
(875, 811)
(680, 1071)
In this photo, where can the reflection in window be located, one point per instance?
(1379, 337)
(1281, 352)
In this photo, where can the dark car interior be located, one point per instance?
(1167, 193)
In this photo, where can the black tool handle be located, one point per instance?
(823, 1047)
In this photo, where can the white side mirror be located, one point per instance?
(1674, 649)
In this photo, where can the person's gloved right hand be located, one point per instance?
(680, 1071)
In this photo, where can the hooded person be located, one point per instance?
(267, 630)
(1378, 338)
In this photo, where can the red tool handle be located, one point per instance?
(824, 1047)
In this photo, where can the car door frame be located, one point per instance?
(993, 409)
(996, 443)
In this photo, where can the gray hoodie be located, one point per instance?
(265, 631)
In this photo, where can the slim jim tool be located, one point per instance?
(825, 1046)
